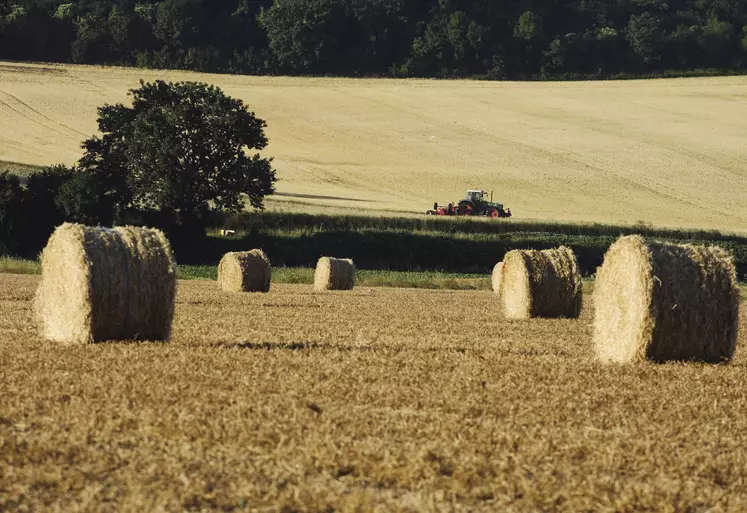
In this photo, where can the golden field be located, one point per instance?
(374, 399)
(670, 152)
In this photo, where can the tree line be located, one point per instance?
(493, 39)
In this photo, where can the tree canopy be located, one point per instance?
(180, 151)
(181, 157)
(494, 39)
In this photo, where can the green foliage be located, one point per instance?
(64, 11)
(431, 243)
(363, 278)
(644, 33)
(39, 202)
(719, 42)
(10, 212)
(180, 151)
(84, 199)
(495, 40)
(29, 213)
(303, 34)
(12, 265)
(528, 26)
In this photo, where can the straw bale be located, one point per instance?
(543, 283)
(497, 273)
(334, 274)
(660, 302)
(247, 271)
(105, 284)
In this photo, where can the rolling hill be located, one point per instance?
(669, 152)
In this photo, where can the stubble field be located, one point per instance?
(382, 398)
(669, 152)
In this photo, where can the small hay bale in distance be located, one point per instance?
(334, 274)
(496, 278)
(247, 271)
(105, 284)
(665, 302)
(543, 283)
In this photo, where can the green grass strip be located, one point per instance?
(364, 278)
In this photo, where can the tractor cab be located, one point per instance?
(476, 196)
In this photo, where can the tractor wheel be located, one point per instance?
(493, 213)
(465, 208)
(429, 212)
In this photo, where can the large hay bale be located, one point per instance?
(105, 284)
(247, 271)
(334, 274)
(543, 283)
(497, 275)
(665, 302)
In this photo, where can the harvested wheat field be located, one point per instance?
(670, 152)
(392, 398)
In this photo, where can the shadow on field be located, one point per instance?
(393, 251)
(294, 346)
(303, 346)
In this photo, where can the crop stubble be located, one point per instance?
(418, 400)
(670, 152)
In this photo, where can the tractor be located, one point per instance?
(475, 204)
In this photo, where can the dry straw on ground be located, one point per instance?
(665, 302)
(106, 284)
(612, 125)
(543, 283)
(247, 271)
(497, 274)
(304, 404)
(334, 274)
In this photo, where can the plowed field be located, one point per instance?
(391, 398)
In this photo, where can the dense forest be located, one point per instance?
(493, 39)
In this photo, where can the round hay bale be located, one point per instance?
(543, 283)
(496, 279)
(105, 284)
(334, 274)
(247, 271)
(665, 302)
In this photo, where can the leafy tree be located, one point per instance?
(180, 150)
(93, 39)
(528, 27)
(519, 39)
(310, 35)
(38, 202)
(41, 190)
(10, 212)
(84, 198)
(719, 43)
(644, 34)
(178, 26)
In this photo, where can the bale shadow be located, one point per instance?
(302, 346)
